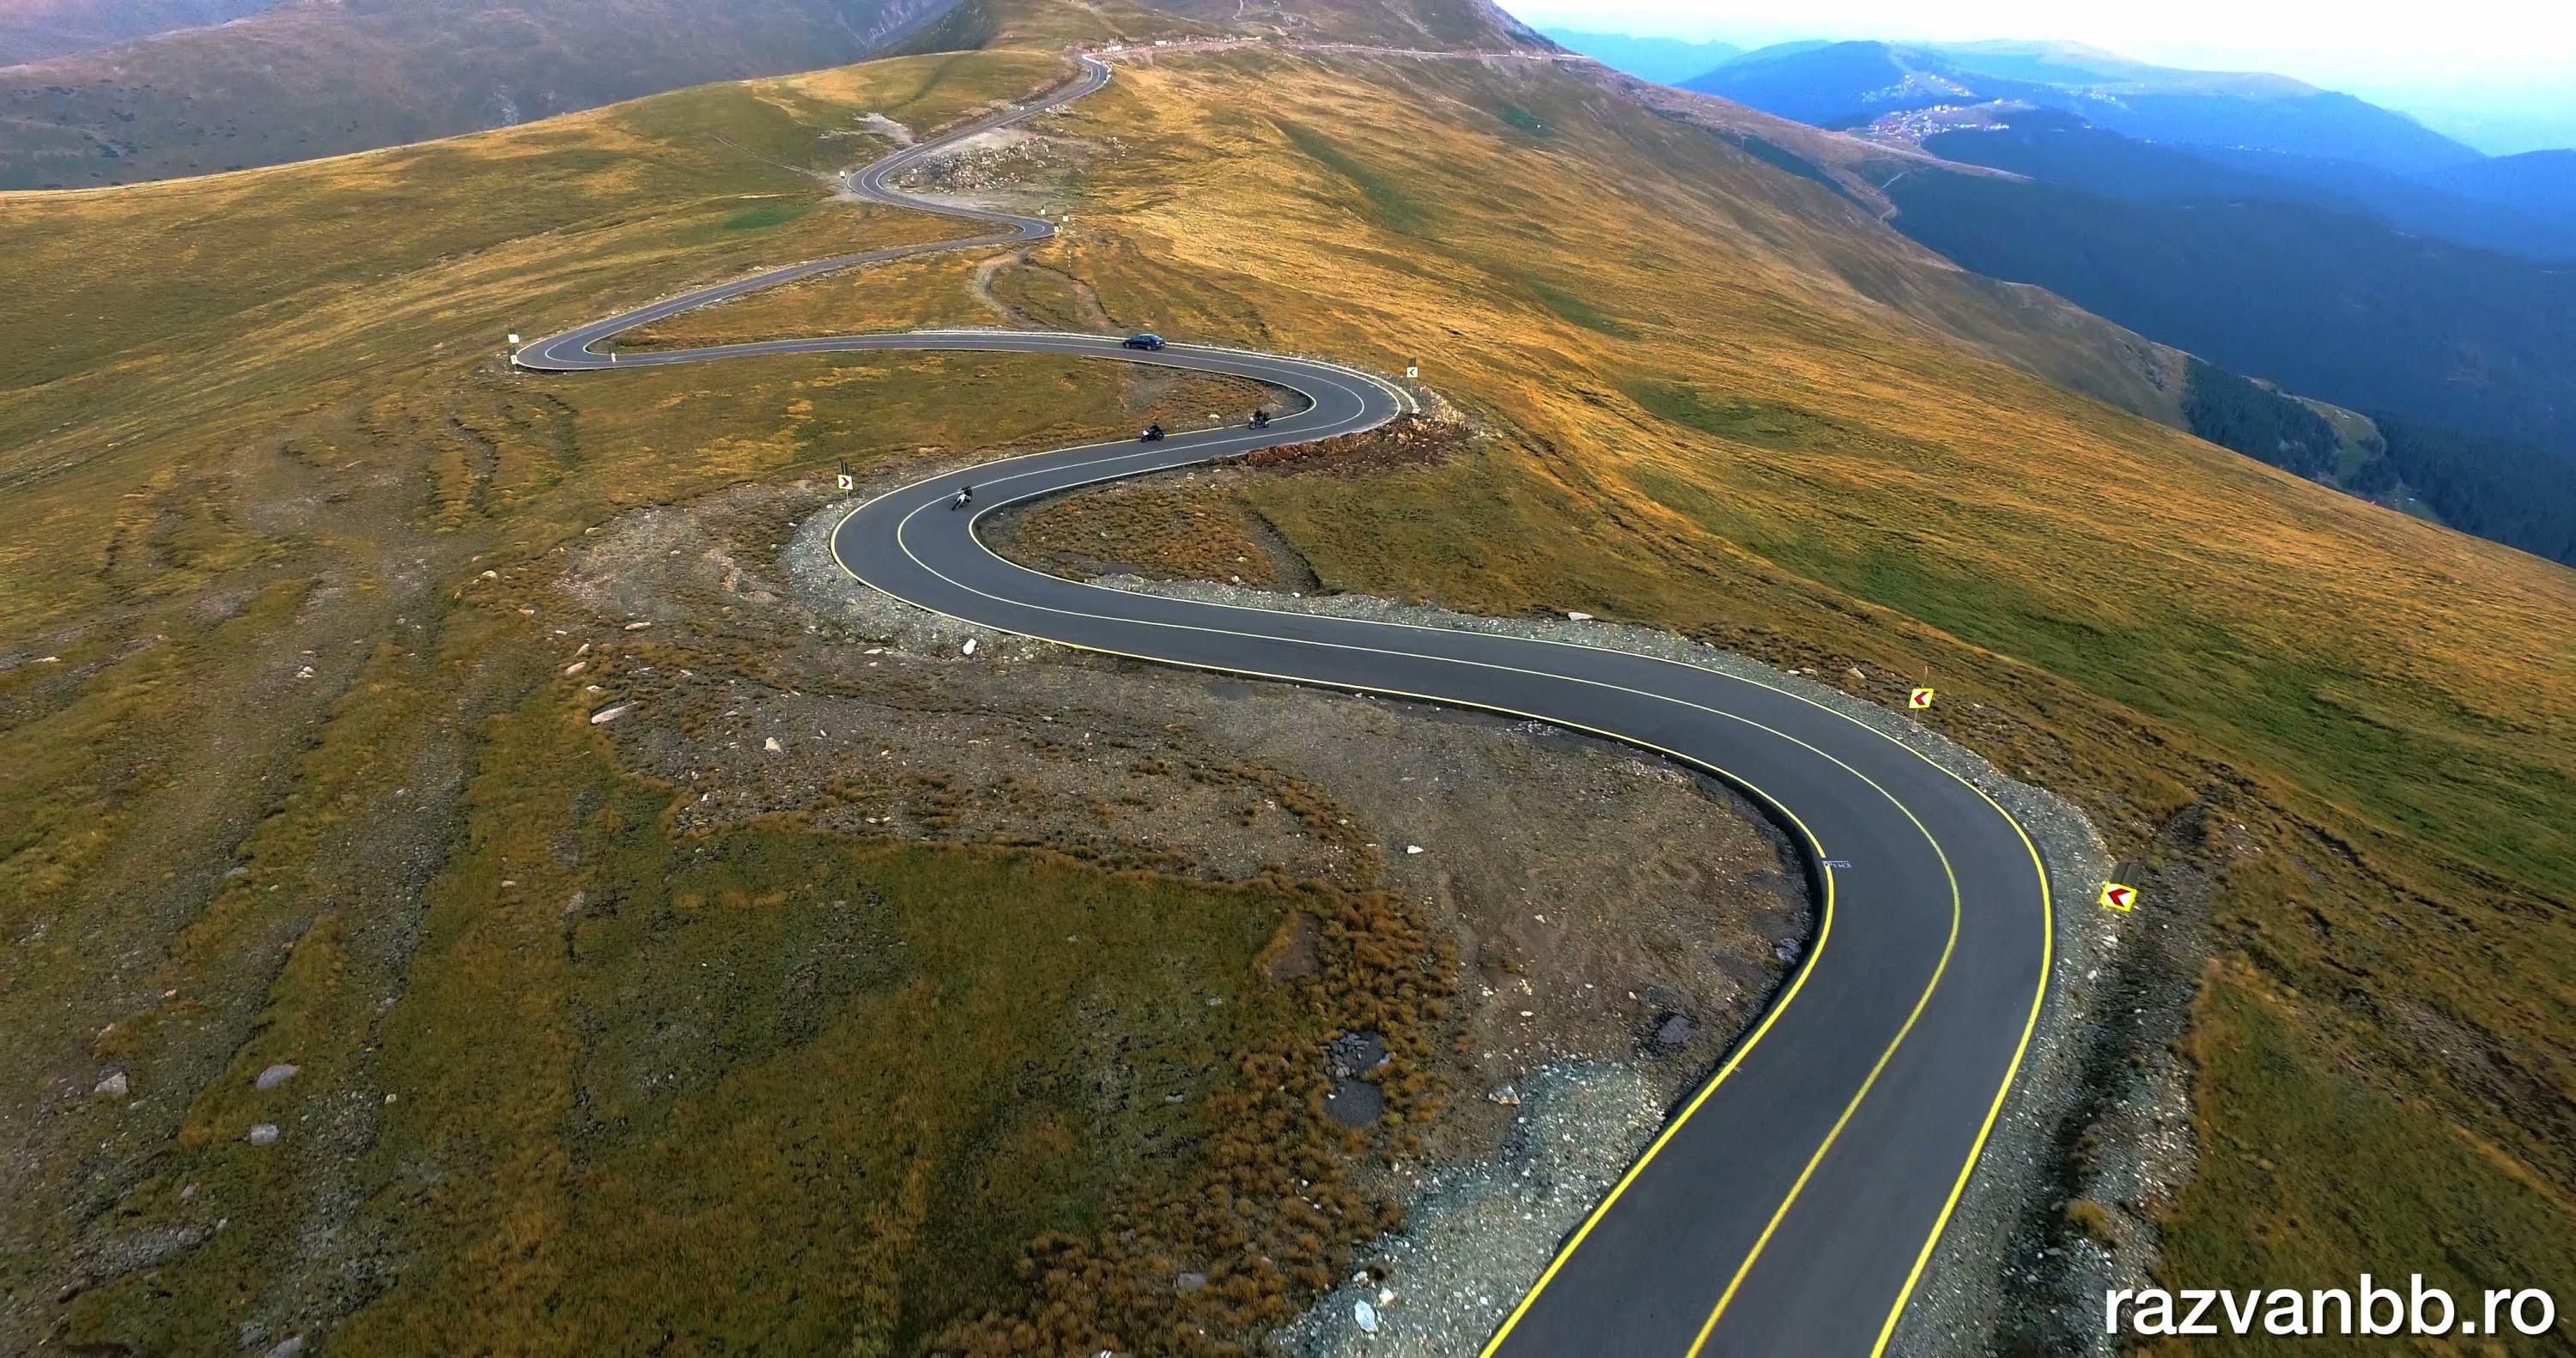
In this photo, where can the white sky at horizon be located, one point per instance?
(2461, 57)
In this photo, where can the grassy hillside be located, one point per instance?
(2351, 718)
(31, 30)
(281, 751)
(309, 78)
(1721, 398)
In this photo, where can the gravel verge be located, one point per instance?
(1481, 1233)
(1987, 1262)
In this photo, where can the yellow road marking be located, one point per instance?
(1995, 1110)
(1923, 1000)
(1825, 929)
(1835, 1132)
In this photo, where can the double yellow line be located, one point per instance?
(1322, 371)
(1814, 845)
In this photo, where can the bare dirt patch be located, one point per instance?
(1009, 167)
(1593, 892)
(1607, 913)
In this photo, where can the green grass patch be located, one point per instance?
(766, 215)
(1571, 308)
(1520, 118)
(1388, 205)
(2310, 1177)
(1737, 420)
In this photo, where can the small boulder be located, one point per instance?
(1355, 1054)
(605, 715)
(1366, 1315)
(288, 1347)
(263, 1134)
(114, 1086)
(275, 1075)
(1190, 1282)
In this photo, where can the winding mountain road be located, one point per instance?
(1790, 1205)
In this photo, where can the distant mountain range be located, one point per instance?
(32, 30)
(2309, 238)
(139, 93)
(1852, 84)
(1666, 61)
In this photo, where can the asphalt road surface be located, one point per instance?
(1790, 1205)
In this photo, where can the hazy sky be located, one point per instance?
(2486, 60)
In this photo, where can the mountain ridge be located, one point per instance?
(32, 30)
(1849, 83)
(303, 80)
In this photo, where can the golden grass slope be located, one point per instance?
(1721, 398)
(272, 743)
(2358, 720)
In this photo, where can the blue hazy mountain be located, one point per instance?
(1666, 61)
(2510, 212)
(1847, 84)
(2542, 183)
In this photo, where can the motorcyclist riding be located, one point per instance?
(965, 495)
(1261, 419)
(1153, 433)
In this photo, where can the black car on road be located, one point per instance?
(1147, 340)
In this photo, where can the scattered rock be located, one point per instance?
(1413, 848)
(773, 746)
(970, 647)
(113, 1087)
(576, 667)
(1786, 951)
(1855, 673)
(1508, 1096)
(263, 1134)
(1354, 1054)
(288, 1347)
(1365, 1315)
(276, 1075)
(1190, 1282)
(605, 715)
(637, 626)
(1578, 617)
